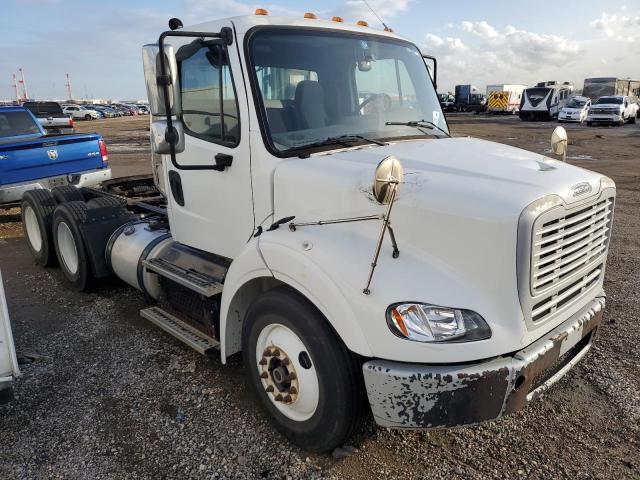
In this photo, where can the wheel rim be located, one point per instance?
(33, 229)
(67, 248)
(287, 372)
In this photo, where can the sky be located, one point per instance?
(98, 42)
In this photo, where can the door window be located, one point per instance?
(209, 106)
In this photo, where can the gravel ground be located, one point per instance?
(105, 394)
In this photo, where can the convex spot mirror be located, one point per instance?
(159, 137)
(152, 70)
(388, 177)
(559, 141)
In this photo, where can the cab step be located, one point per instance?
(197, 340)
(193, 280)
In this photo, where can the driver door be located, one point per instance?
(211, 206)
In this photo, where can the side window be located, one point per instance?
(209, 106)
(391, 84)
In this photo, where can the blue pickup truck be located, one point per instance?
(31, 159)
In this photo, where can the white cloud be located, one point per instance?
(618, 26)
(481, 29)
(487, 55)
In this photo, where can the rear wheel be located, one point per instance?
(87, 117)
(37, 212)
(303, 375)
(69, 245)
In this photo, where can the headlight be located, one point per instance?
(422, 322)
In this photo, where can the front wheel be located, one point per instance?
(87, 117)
(304, 377)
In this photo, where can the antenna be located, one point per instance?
(376, 15)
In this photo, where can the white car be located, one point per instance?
(576, 110)
(614, 109)
(78, 112)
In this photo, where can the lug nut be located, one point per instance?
(264, 375)
(292, 376)
(278, 398)
(287, 399)
(286, 361)
(276, 352)
(269, 388)
(267, 352)
(263, 361)
(293, 390)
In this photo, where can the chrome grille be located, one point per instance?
(568, 251)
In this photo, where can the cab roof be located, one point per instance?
(244, 23)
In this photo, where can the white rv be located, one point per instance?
(504, 98)
(8, 361)
(545, 100)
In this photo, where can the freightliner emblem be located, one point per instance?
(53, 154)
(581, 189)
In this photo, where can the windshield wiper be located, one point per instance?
(353, 138)
(420, 124)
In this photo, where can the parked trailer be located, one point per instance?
(504, 98)
(544, 101)
(469, 99)
(595, 88)
(279, 239)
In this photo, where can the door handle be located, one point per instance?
(223, 161)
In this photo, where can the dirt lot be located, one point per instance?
(107, 395)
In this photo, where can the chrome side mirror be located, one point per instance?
(387, 179)
(559, 142)
(152, 70)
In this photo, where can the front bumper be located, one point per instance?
(604, 118)
(12, 194)
(426, 396)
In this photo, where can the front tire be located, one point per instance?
(304, 377)
(87, 117)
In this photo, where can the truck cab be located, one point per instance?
(320, 219)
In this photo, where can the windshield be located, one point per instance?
(537, 94)
(318, 85)
(575, 103)
(13, 124)
(609, 100)
(43, 107)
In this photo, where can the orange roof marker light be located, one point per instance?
(310, 15)
(337, 19)
(261, 11)
(362, 23)
(387, 29)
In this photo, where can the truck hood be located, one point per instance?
(454, 174)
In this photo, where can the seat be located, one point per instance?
(309, 105)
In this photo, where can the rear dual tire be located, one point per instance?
(37, 214)
(69, 245)
(283, 334)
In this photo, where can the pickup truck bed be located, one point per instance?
(31, 159)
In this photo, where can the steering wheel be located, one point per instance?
(382, 99)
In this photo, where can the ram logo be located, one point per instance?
(581, 189)
(53, 154)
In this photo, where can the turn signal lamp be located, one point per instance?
(337, 19)
(362, 23)
(261, 11)
(310, 15)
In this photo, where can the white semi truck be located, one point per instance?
(314, 213)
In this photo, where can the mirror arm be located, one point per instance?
(164, 81)
(435, 69)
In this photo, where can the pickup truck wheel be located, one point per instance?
(304, 377)
(37, 212)
(67, 193)
(68, 243)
